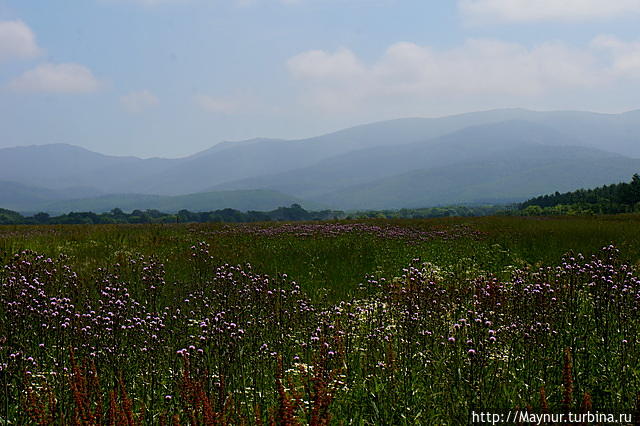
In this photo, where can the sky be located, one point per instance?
(168, 78)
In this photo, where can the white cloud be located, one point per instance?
(479, 67)
(56, 78)
(136, 102)
(539, 10)
(17, 41)
(625, 56)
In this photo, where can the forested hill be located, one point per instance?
(616, 198)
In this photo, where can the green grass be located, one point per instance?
(337, 264)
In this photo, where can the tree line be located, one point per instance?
(295, 212)
(621, 197)
(292, 213)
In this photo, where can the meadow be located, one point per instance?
(344, 322)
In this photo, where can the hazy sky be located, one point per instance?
(172, 77)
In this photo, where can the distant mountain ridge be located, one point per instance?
(475, 143)
(327, 168)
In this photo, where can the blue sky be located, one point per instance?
(171, 77)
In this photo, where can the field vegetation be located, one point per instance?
(342, 322)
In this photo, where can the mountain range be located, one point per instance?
(491, 156)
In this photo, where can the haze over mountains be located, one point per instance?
(491, 156)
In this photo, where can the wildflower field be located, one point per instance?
(368, 322)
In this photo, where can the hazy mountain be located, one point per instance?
(229, 144)
(619, 133)
(475, 143)
(60, 166)
(318, 166)
(504, 179)
(255, 158)
(259, 200)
